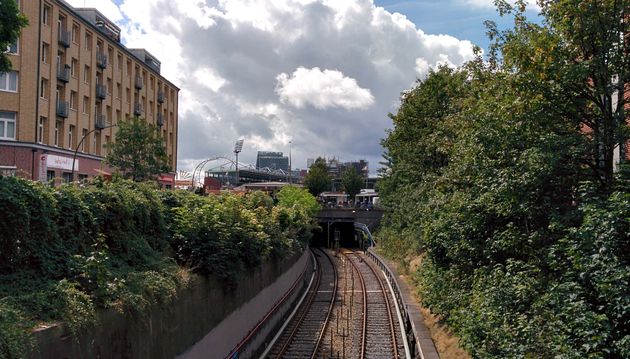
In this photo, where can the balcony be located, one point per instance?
(62, 109)
(101, 91)
(139, 82)
(101, 60)
(159, 120)
(160, 96)
(137, 109)
(64, 38)
(99, 121)
(63, 73)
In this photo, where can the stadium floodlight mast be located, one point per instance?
(238, 147)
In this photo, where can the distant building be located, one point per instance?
(272, 160)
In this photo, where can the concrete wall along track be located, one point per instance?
(204, 321)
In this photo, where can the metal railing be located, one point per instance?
(139, 82)
(63, 73)
(410, 333)
(159, 120)
(101, 91)
(64, 38)
(160, 96)
(137, 109)
(101, 60)
(99, 121)
(62, 109)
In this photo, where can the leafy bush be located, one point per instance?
(69, 250)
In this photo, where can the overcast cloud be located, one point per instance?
(321, 73)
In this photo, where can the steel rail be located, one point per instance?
(364, 290)
(308, 304)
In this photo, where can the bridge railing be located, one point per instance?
(410, 331)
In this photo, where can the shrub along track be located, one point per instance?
(303, 336)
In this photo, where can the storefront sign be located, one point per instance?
(64, 163)
(42, 165)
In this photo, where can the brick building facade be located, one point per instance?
(72, 81)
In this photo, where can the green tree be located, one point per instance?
(138, 151)
(292, 196)
(582, 49)
(11, 22)
(317, 179)
(352, 182)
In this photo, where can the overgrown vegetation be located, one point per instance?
(501, 174)
(67, 251)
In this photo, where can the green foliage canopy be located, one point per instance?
(352, 182)
(318, 179)
(11, 23)
(138, 151)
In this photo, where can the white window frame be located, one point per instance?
(5, 81)
(40, 129)
(16, 45)
(6, 118)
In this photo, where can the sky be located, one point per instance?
(316, 77)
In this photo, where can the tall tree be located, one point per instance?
(318, 179)
(351, 182)
(582, 48)
(138, 151)
(11, 22)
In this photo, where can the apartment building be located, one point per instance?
(72, 81)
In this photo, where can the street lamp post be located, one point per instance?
(290, 162)
(76, 150)
(238, 147)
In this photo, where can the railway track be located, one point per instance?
(303, 336)
(381, 335)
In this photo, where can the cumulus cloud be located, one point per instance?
(322, 89)
(323, 74)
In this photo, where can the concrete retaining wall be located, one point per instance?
(203, 321)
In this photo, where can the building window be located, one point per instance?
(67, 177)
(73, 67)
(128, 68)
(128, 95)
(46, 15)
(87, 43)
(75, 33)
(50, 175)
(7, 125)
(57, 132)
(120, 62)
(73, 100)
(13, 48)
(45, 52)
(43, 88)
(118, 91)
(9, 81)
(86, 74)
(86, 104)
(84, 134)
(107, 144)
(71, 137)
(40, 129)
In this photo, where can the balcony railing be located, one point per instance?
(160, 96)
(137, 109)
(159, 120)
(99, 121)
(139, 82)
(64, 38)
(101, 60)
(63, 73)
(101, 91)
(62, 109)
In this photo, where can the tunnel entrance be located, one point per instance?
(343, 232)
